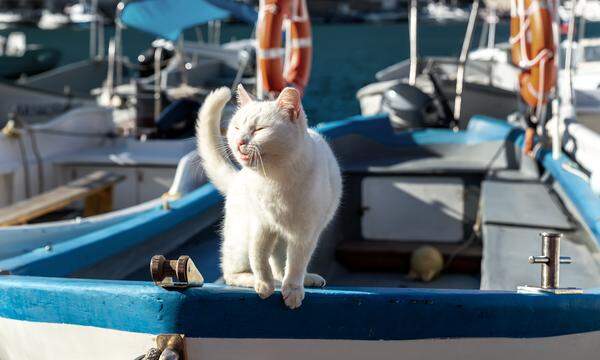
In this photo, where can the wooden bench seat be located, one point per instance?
(96, 189)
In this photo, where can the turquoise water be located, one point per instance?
(346, 56)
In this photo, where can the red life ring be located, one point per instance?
(532, 49)
(273, 75)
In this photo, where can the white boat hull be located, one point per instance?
(24, 340)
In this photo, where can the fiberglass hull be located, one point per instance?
(45, 318)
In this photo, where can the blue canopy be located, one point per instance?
(238, 10)
(168, 18)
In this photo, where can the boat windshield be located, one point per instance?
(591, 53)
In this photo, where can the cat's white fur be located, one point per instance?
(286, 192)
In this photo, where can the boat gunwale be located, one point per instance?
(220, 311)
(421, 313)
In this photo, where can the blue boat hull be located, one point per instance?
(222, 322)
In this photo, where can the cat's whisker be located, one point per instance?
(225, 150)
(262, 164)
(257, 157)
(253, 155)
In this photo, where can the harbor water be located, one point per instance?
(346, 56)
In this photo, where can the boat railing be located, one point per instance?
(96, 33)
(110, 76)
(414, 52)
(158, 86)
(463, 59)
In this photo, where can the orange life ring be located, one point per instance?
(273, 76)
(532, 49)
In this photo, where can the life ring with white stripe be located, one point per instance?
(533, 49)
(274, 74)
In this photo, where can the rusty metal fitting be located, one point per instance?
(180, 273)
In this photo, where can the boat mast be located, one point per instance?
(96, 33)
(412, 78)
(460, 74)
(567, 96)
(118, 44)
(492, 19)
(260, 92)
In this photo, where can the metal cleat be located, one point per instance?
(550, 261)
(168, 347)
(180, 273)
(172, 346)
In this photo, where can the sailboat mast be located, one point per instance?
(414, 57)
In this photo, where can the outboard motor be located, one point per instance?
(146, 59)
(178, 119)
(409, 107)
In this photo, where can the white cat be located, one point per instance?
(286, 192)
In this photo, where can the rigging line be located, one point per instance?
(477, 226)
(37, 155)
(73, 133)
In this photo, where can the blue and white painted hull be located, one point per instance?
(61, 317)
(56, 341)
(75, 319)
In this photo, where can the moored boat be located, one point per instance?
(18, 58)
(473, 194)
(453, 180)
(141, 134)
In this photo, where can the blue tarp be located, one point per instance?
(238, 10)
(168, 18)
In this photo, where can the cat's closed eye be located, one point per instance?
(259, 129)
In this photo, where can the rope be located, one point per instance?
(542, 57)
(540, 94)
(11, 132)
(477, 225)
(36, 153)
(152, 354)
(524, 24)
(73, 133)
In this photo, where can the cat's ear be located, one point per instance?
(242, 96)
(289, 99)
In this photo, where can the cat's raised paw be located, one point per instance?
(314, 280)
(292, 295)
(264, 289)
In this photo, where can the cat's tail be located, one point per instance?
(208, 130)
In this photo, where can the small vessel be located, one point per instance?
(489, 78)
(9, 17)
(472, 193)
(140, 132)
(431, 170)
(112, 79)
(52, 20)
(441, 12)
(425, 90)
(583, 73)
(25, 13)
(18, 58)
(587, 10)
(82, 12)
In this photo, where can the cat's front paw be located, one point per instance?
(264, 289)
(292, 295)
